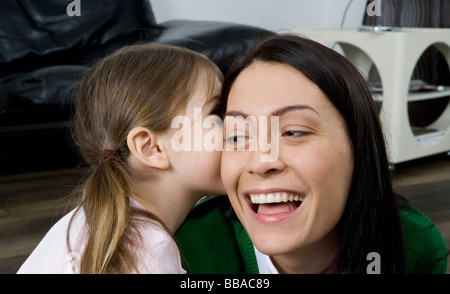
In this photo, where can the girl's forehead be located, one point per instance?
(204, 93)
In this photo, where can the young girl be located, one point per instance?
(138, 189)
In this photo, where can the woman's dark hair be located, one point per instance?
(370, 222)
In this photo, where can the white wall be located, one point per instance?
(277, 15)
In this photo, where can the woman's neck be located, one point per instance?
(313, 259)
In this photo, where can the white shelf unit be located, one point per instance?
(418, 96)
(395, 55)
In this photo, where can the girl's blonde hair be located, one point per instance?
(141, 85)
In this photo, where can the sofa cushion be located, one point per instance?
(48, 86)
(38, 28)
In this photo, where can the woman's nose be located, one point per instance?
(258, 166)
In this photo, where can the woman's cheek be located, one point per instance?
(228, 170)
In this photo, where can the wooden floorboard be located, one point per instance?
(30, 203)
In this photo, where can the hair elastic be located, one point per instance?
(106, 154)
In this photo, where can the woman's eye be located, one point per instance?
(234, 139)
(294, 133)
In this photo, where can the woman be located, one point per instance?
(326, 203)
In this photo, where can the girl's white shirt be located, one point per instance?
(158, 253)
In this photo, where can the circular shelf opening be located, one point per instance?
(366, 67)
(429, 95)
(376, 85)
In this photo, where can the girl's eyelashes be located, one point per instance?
(217, 110)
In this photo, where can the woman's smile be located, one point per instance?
(273, 206)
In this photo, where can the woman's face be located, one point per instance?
(314, 165)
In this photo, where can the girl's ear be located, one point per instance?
(146, 148)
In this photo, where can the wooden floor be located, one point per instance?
(30, 203)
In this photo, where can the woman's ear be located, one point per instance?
(146, 148)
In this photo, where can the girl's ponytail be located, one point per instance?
(106, 205)
(105, 199)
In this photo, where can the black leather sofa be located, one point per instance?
(44, 51)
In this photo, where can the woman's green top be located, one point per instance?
(213, 241)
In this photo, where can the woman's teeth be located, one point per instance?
(274, 198)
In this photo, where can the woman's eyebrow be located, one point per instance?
(236, 113)
(277, 112)
(283, 110)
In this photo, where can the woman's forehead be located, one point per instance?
(273, 85)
